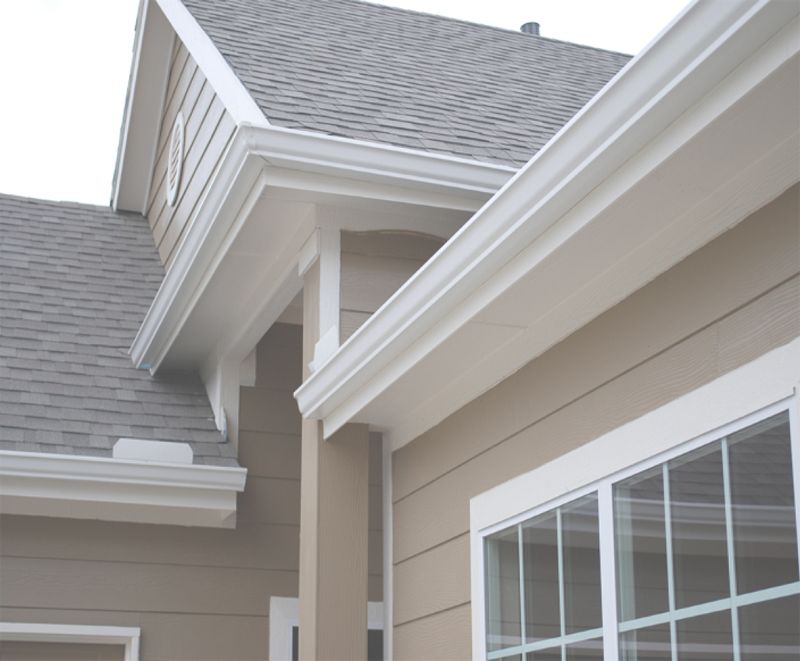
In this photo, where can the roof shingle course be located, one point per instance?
(363, 71)
(75, 282)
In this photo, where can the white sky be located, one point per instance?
(64, 68)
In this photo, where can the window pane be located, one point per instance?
(771, 631)
(764, 527)
(705, 638)
(699, 539)
(581, 540)
(502, 590)
(641, 545)
(540, 551)
(587, 650)
(650, 644)
(375, 645)
(550, 654)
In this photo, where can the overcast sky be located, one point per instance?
(64, 68)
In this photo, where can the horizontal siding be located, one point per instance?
(170, 636)
(22, 651)
(724, 275)
(197, 593)
(444, 636)
(727, 304)
(208, 132)
(374, 265)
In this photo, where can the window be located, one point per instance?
(673, 536)
(692, 558)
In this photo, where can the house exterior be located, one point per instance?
(409, 338)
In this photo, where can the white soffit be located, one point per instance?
(76, 487)
(249, 202)
(709, 109)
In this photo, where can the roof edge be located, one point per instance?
(48, 484)
(703, 44)
(159, 23)
(252, 149)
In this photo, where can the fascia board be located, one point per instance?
(100, 469)
(373, 161)
(240, 180)
(111, 489)
(143, 106)
(700, 49)
(233, 94)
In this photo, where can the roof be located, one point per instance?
(376, 73)
(75, 283)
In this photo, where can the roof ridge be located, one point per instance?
(453, 19)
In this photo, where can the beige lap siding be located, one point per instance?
(725, 305)
(198, 594)
(374, 266)
(24, 651)
(208, 131)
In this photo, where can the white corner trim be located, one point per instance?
(637, 110)
(763, 387)
(74, 633)
(136, 449)
(284, 615)
(309, 253)
(118, 490)
(233, 94)
(388, 549)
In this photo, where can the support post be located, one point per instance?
(334, 494)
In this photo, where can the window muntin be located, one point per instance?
(543, 585)
(705, 544)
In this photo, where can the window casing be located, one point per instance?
(692, 554)
(767, 386)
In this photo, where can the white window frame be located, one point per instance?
(284, 615)
(75, 634)
(752, 392)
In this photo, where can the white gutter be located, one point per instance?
(696, 53)
(118, 490)
(219, 220)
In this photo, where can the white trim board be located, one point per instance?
(284, 615)
(233, 94)
(41, 484)
(769, 381)
(31, 632)
(272, 156)
(144, 106)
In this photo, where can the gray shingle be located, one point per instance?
(75, 283)
(364, 71)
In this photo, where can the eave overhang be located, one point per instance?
(692, 136)
(317, 167)
(82, 487)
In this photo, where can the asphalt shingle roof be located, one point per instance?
(75, 283)
(364, 71)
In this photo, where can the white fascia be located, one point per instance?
(43, 484)
(147, 86)
(259, 156)
(158, 23)
(701, 48)
(231, 91)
